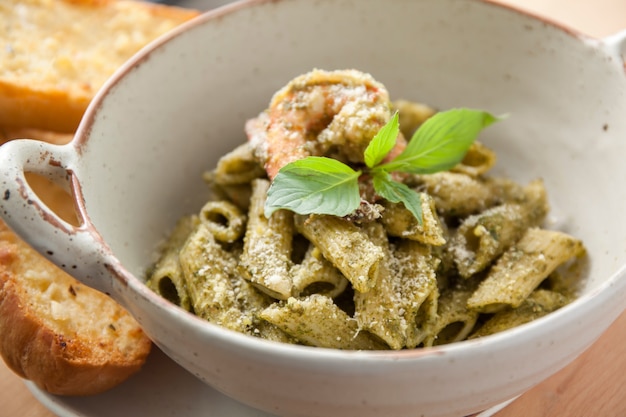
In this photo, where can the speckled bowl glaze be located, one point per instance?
(135, 166)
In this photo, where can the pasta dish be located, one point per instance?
(458, 254)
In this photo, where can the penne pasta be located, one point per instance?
(317, 275)
(166, 278)
(237, 167)
(400, 222)
(477, 161)
(454, 321)
(539, 303)
(380, 310)
(457, 194)
(251, 302)
(238, 194)
(522, 268)
(224, 220)
(415, 267)
(207, 269)
(482, 238)
(266, 257)
(415, 257)
(346, 246)
(317, 321)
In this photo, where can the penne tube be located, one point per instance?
(400, 222)
(539, 303)
(238, 194)
(380, 310)
(456, 194)
(207, 269)
(166, 278)
(268, 331)
(249, 298)
(266, 257)
(346, 246)
(522, 268)
(481, 238)
(251, 302)
(316, 321)
(425, 321)
(317, 275)
(225, 221)
(477, 161)
(454, 321)
(535, 202)
(237, 167)
(415, 268)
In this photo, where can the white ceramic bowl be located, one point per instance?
(135, 166)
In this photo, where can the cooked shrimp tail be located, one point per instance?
(321, 113)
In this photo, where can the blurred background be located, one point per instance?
(196, 4)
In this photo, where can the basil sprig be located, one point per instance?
(320, 185)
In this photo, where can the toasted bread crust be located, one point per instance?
(104, 348)
(24, 105)
(58, 53)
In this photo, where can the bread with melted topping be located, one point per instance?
(56, 54)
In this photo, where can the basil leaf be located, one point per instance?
(398, 192)
(383, 142)
(314, 185)
(441, 142)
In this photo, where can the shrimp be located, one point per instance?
(321, 113)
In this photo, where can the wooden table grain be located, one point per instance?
(595, 383)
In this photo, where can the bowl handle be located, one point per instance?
(79, 250)
(616, 44)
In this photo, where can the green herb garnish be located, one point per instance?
(320, 185)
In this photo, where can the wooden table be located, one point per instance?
(593, 385)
